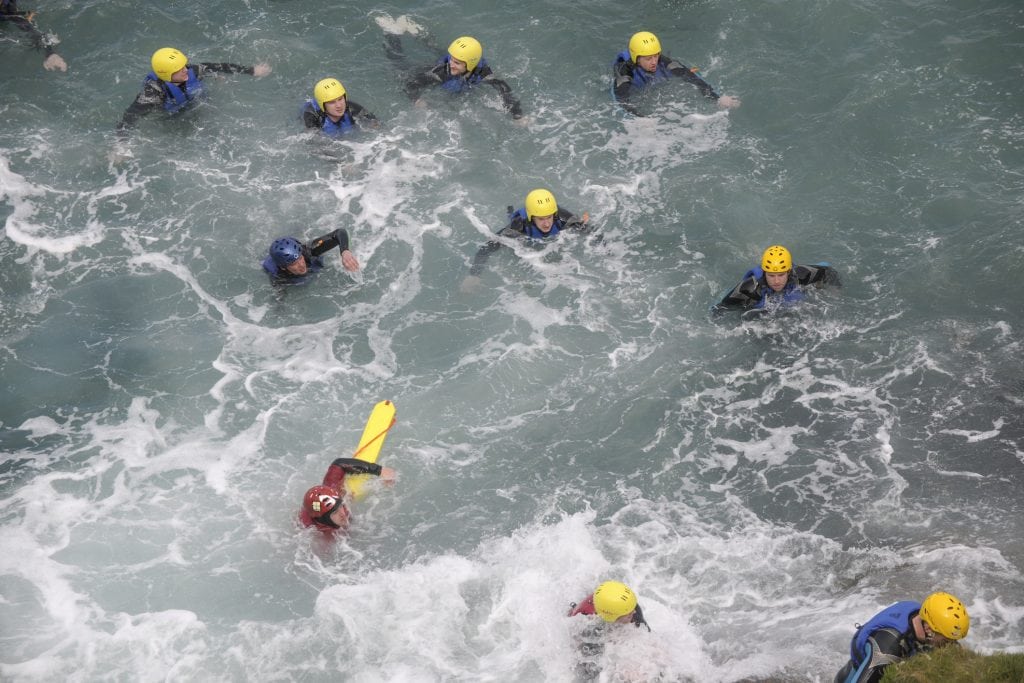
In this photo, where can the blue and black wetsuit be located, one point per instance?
(315, 117)
(521, 228)
(886, 639)
(311, 252)
(753, 291)
(439, 75)
(9, 13)
(629, 78)
(173, 97)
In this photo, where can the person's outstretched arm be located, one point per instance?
(509, 100)
(680, 70)
(690, 75)
(742, 295)
(149, 100)
(259, 70)
(336, 238)
(355, 466)
(360, 114)
(513, 229)
(482, 254)
(23, 20)
(819, 275)
(574, 223)
(415, 86)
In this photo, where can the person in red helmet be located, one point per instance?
(323, 506)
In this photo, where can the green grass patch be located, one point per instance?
(957, 665)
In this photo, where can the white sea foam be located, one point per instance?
(577, 418)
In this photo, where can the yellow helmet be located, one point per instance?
(468, 50)
(328, 90)
(613, 600)
(945, 615)
(776, 259)
(166, 61)
(540, 202)
(643, 44)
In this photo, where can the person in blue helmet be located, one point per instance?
(539, 219)
(22, 19)
(644, 65)
(289, 261)
(776, 283)
(460, 69)
(903, 630)
(175, 84)
(331, 111)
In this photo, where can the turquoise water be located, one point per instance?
(762, 485)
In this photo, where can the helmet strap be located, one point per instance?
(326, 520)
(638, 618)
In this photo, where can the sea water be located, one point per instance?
(763, 485)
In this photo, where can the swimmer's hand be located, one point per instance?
(119, 154)
(728, 102)
(469, 284)
(55, 63)
(522, 121)
(261, 70)
(387, 475)
(348, 260)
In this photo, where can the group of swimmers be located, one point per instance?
(174, 84)
(899, 631)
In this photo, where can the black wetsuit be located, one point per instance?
(311, 252)
(438, 75)
(10, 13)
(753, 291)
(154, 93)
(626, 76)
(889, 646)
(315, 118)
(520, 228)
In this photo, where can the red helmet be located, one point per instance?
(321, 500)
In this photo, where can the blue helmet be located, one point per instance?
(285, 251)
